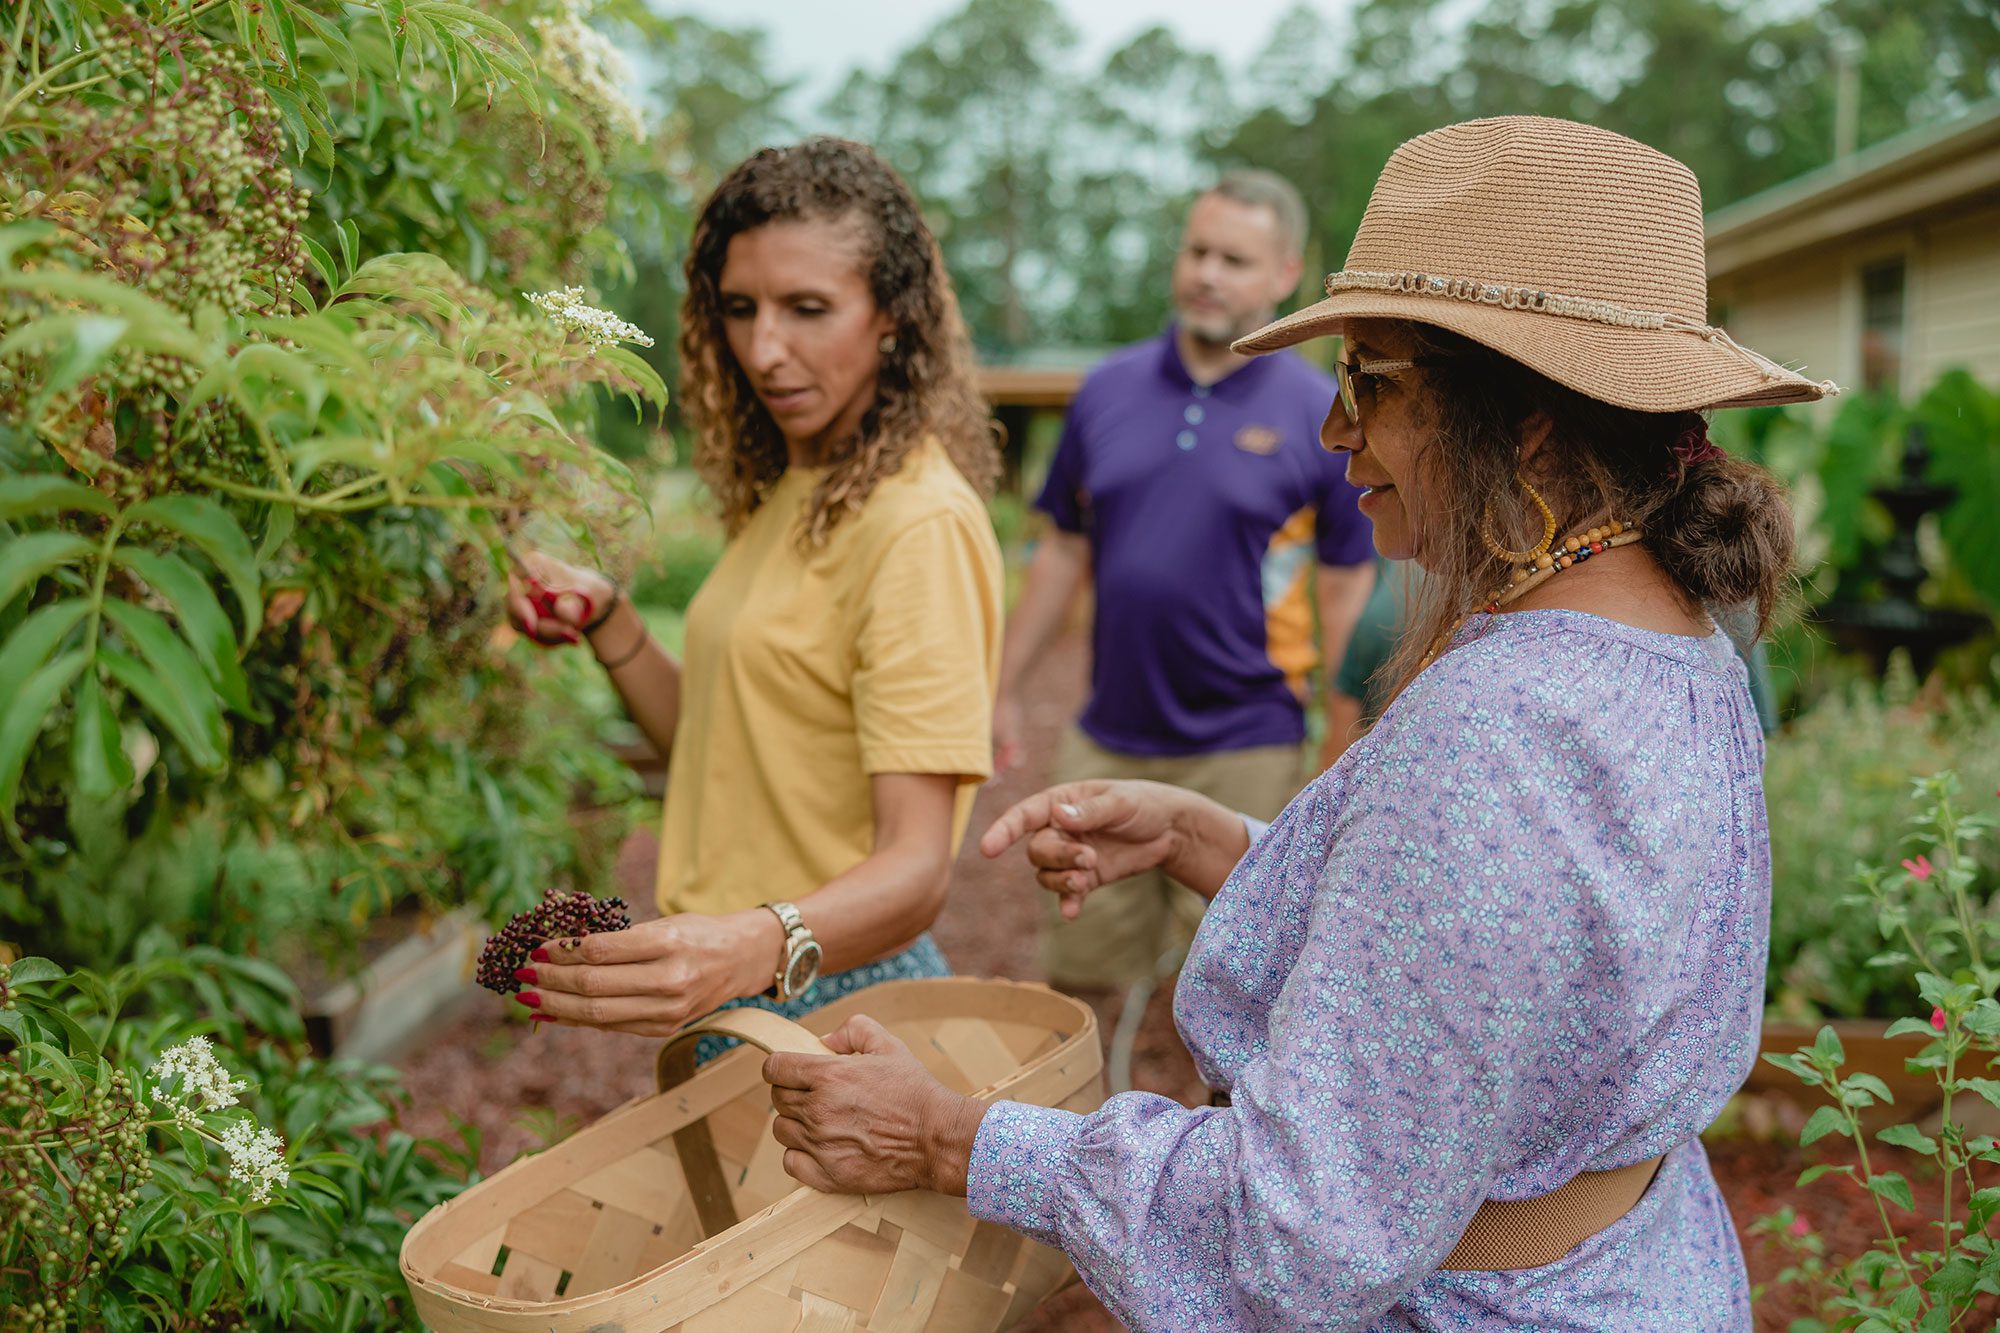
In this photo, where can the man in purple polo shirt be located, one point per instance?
(1191, 491)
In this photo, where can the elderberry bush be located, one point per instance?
(558, 916)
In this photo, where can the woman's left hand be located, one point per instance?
(654, 978)
(870, 1119)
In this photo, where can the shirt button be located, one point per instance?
(1201, 390)
(1193, 414)
(1186, 439)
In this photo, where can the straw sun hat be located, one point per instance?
(1573, 250)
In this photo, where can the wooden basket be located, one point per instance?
(627, 1227)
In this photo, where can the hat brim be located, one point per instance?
(1647, 370)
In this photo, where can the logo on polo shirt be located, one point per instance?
(1258, 440)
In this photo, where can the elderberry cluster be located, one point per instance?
(67, 1181)
(558, 916)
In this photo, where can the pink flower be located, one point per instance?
(1800, 1227)
(1920, 869)
(1937, 1019)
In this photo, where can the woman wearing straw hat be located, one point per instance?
(1470, 1000)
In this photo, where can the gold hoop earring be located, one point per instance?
(1486, 530)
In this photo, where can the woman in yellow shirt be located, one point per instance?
(829, 726)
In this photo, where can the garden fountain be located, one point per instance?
(1896, 620)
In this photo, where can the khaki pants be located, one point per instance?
(1125, 927)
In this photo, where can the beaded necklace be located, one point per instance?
(1574, 550)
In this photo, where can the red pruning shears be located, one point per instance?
(542, 597)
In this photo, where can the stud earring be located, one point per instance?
(887, 345)
(1492, 539)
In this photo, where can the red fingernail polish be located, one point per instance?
(529, 998)
(526, 974)
(541, 1018)
(540, 955)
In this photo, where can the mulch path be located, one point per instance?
(522, 1087)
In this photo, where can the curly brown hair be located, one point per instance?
(924, 387)
(1720, 528)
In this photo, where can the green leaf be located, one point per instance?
(209, 526)
(1826, 1120)
(25, 715)
(54, 1016)
(1911, 1027)
(202, 1291)
(97, 757)
(24, 559)
(1812, 1173)
(1985, 1087)
(34, 641)
(199, 731)
(1890, 1185)
(1826, 1046)
(322, 262)
(202, 618)
(1981, 1207)
(1909, 1136)
(34, 970)
(1954, 1280)
(350, 243)
(45, 493)
(1871, 1085)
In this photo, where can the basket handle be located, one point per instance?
(693, 1143)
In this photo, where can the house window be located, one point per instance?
(1882, 304)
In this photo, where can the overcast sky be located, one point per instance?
(818, 41)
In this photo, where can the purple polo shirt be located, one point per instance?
(1205, 506)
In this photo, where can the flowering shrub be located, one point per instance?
(1932, 910)
(1836, 782)
(167, 1192)
(254, 482)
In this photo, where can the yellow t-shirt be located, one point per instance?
(806, 673)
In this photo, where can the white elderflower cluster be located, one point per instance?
(583, 62)
(202, 1078)
(256, 1157)
(598, 327)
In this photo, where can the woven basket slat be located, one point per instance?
(978, 1050)
(847, 1268)
(613, 1249)
(608, 1215)
(915, 1278)
(966, 1303)
(991, 1254)
(458, 1275)
(526, 1278)
(940, 1220)
(648, 1184)
(752, 1308)
(555, 1231)
(819, 1315)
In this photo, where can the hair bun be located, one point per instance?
(1726, 535)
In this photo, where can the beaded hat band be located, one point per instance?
(1591, 250)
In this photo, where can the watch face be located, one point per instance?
(804, 968)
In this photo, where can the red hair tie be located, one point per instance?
(1693, 446)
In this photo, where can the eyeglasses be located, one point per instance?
(1356, 378)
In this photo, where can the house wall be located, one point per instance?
(1804, 309)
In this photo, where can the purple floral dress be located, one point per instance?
(1516, 933)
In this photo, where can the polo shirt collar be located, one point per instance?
(1239, 380)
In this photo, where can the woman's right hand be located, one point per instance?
(1084, 835)
(577, 595)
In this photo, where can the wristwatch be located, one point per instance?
(799, 968)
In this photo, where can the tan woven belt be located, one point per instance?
(1533, 1233)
